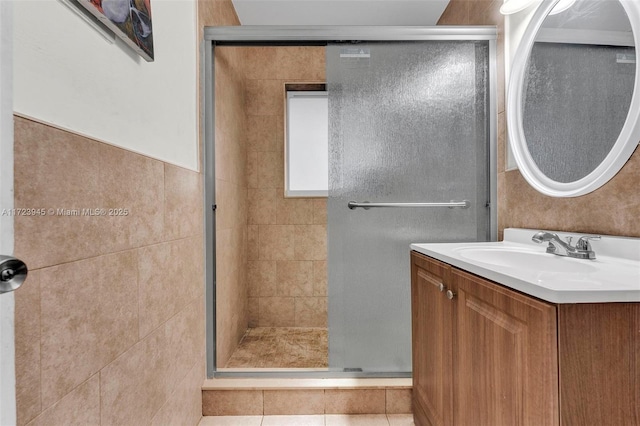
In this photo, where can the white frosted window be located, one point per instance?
(307, 164)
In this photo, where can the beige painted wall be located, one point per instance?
(612, 209)
(98, 89)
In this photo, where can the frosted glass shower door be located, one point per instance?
(408, 124)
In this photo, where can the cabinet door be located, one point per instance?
(505, 367)
(432, 340)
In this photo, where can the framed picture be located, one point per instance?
(128, 19)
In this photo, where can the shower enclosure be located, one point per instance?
(411, 159)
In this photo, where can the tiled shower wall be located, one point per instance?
(613, 209)
(230, 184)
(231, 200)
(110, 322)
(287, 248)
(271, 251)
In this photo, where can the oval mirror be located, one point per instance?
(573, 108)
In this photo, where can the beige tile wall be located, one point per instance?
(306, 402)
(612, 209)
(110, 323)
(287, 237)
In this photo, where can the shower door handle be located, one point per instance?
(367, 205)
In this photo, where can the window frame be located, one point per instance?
(309, 91)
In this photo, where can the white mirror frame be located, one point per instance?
(620, 152)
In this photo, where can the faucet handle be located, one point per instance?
(583, 242)
(568, 239)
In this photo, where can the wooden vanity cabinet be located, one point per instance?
(482, 354)
(487, 355)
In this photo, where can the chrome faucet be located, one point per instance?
(582, 249)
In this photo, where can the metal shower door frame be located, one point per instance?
(313, 36)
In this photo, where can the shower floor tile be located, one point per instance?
(281, 347)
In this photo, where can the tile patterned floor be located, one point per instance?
(281, 347)
(318, 420)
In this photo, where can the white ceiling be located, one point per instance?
(340, 12)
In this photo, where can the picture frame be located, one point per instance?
(130, 20)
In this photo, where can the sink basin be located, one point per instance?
(524, 258)
(519, 263)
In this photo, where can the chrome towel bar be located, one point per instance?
(367, 205)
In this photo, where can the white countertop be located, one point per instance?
(521, 264)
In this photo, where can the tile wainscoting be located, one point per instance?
(110, 322)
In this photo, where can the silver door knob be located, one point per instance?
(442, 287)
(13, 272)
(450, 295)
